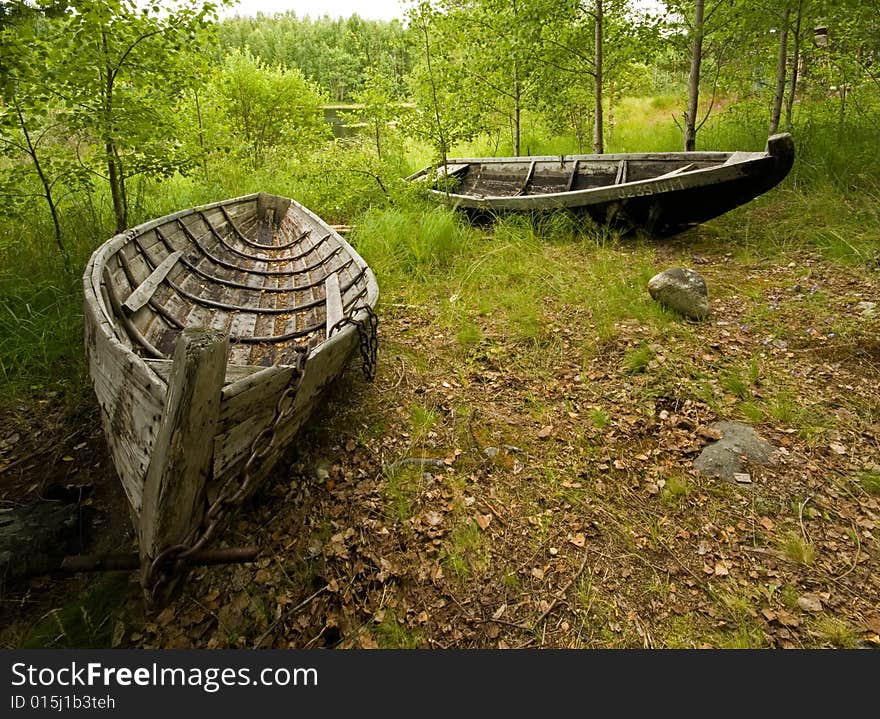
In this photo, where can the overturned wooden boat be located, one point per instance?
(210, 334)
(661, 193)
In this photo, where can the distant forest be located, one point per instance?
(335, 53)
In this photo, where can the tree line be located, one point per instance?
(95, 93)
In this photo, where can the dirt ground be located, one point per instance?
(504, 494)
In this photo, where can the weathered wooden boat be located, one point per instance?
(210, 334)
(661, 193)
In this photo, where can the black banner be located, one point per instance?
(242, 684)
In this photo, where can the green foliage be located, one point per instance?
(798, 549)
(379, 109)
(268, 108)
(870, 480)
(337, 54)
(637, 359)
(120, 69)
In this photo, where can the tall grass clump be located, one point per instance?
(400, 242)
(41, 340)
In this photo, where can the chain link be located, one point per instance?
(368, 335)
(170, 561)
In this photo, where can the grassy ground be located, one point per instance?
(562, 410)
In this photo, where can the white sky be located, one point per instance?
(369, 9)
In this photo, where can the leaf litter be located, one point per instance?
(585, 526)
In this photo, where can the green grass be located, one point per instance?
(870, 481)
(675, 489)
(637, 359)
(86, 621)
(798, 549)
(464, 552)
(836, 633)
(390, 633)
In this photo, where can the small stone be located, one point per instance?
(867, 309)
(322, 470)
(810, 603)
(490, 452)
(742, 478)
(682, 290)
(725, 458)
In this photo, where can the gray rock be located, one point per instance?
(35, 538)
(682, 290)
(322, 470)
(724, 458)
(866, 309)
(490, 452)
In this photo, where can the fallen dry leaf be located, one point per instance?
(483, 520)
(786, 619)
(578, 540)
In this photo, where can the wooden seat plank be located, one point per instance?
(146, 289)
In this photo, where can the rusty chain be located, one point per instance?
(168, 562)
(368, 337)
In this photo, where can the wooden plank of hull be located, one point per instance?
(234, 372)
(254, 409)
(180, 463)
(130, 398)
(333, 301)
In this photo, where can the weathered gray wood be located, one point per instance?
(258, 392)
(334, 301)
(133, 332)
(252, 412)
(181, 459)
(676, 171)
(137, 394)
(147, 288)
(648, 194)
(529, 175)
(162, 367)
(573, 176)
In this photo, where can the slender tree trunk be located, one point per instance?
(441, 137)
(114, 178)
(44, 181)
(114, 172)
(690, 118)
(781, 65)
(598, 144)
(202, 151)
(517, 96)
(517, 113)
(610, 116)
(795, 66)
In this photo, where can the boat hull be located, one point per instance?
(129, 343)
(670, 193)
